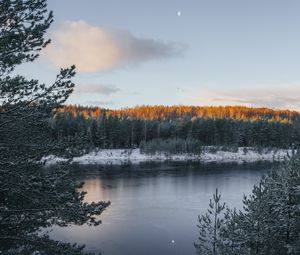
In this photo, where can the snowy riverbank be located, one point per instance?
(134, 156)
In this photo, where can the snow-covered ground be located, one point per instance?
(134, 156)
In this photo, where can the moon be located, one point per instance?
(179, 13)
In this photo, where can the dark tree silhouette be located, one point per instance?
(31, 197)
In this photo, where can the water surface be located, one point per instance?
(153, 204)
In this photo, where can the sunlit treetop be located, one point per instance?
(160, 112)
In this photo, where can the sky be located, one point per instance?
(171, 52)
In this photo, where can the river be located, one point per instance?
(154, 207)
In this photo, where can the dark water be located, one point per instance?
(155, 204)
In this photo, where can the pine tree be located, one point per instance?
(286, 185)
(31, 197)
(269, 222)
(232, 241)
(93, 133)
(209, 225)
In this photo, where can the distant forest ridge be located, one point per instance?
(159, 112)
(176, 128)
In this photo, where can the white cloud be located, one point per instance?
(284, 96)
(93, 48)
(101, 89)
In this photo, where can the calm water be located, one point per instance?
(151, 205)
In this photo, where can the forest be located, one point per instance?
(165, 126)
(268, 223)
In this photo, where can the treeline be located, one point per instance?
(268, 224)
(171, 146)
(159, 112)
(108, 129)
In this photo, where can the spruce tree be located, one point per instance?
(209, 225)
(232, 242)
(31, 197)
(269, 222)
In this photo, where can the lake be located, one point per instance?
(154, 207)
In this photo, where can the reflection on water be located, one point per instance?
(155, 204)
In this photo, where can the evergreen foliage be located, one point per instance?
(159, 112)
(209, 227)
(270, 220)
(108, 130)
(171, 146)
(32, 198)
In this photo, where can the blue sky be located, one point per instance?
(133, 52)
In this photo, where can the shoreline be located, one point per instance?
(134, 156)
